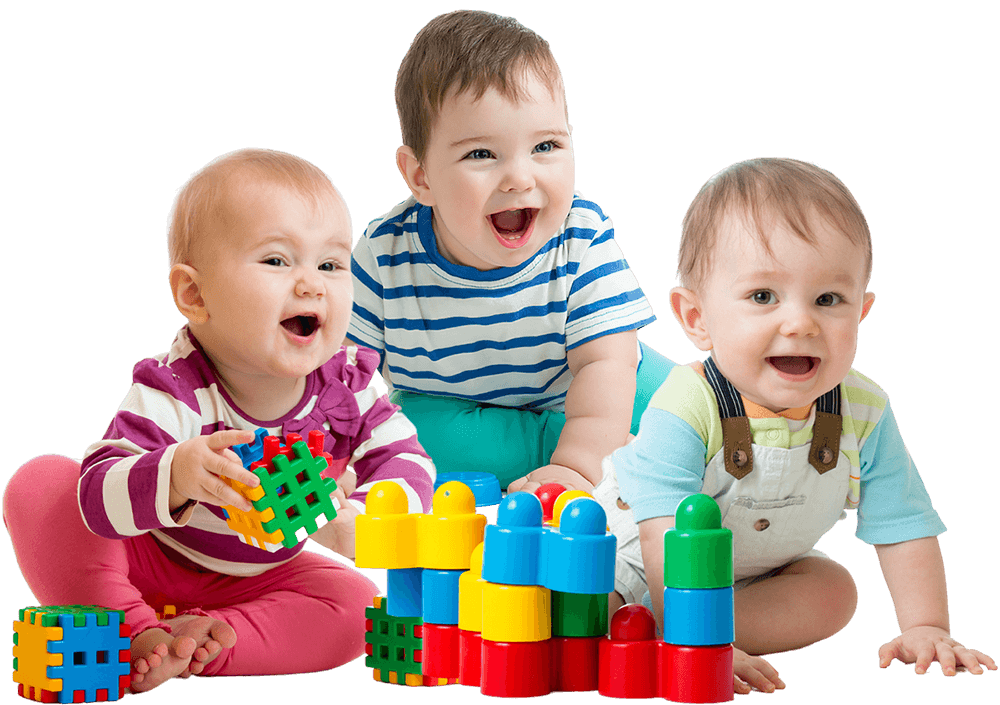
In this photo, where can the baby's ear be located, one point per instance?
(687, 310)
(414, 175)
(867, 305)
(184, 283)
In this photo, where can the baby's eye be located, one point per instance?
(330, 267)
(764, 297)
(480, 153)
(274, 261)
(547, 146)
(829, 299)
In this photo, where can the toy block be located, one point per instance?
(404, 592)
(698, 617)
(580, 557)
(470, 593)
(440, 596)
(168, 612)
(516, 613)
(470, 657)
(448, 534)
(561, 502)
(629, 657)
(441, 651)
(72, 653)
(579, 615)
(698, 552)
(516, 670)
(386, 534)
(485, 486)
(575, 663)
(250, 453)
(696, 674)
(547, 495)
(513, 545)
(393, 645)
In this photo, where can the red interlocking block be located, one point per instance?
(440, 650)
(470, 657)
(516, 669)
(696, 674)
(575, 663)
(628, 659)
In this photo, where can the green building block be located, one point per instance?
(297, 494)
(393, 645)
(579, 615)
(698, 552)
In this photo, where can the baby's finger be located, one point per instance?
(754, 678)
(221, 440)
(974, 660)
(226, 467)
(886, 653)
(925, 656)
(219, 493)
(946, 657)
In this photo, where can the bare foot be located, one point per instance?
(158, 656)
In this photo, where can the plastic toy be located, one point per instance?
(74, 653)
(629, 658)
(293, 499)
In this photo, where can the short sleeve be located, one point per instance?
(367, 325)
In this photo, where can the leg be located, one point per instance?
(807, 601)
(306, 615)
(461, 435)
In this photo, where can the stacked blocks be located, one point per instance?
(425, 556)
(71, 653)
(629, 657)
(293, 499)
(545, 597)
(696, 660)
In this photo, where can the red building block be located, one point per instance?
(440, 651)
(628, 659)
(696, 674)
(470, 657)
(516, 669)
(575, 663)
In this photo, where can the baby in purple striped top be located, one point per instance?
(260, 247)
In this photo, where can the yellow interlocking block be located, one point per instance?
(31, 652)
(470, 593)
(448, 535)
(516, 613)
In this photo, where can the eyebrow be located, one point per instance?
(485, 138)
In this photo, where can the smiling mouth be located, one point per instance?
(795, 366)
(302, 326)
(514, 225)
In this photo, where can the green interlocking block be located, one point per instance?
(698, 552)
(297, 494)
(393, 644)
(579, 615)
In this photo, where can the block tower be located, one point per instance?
(293, 499)
(544, 601)
(72, 653)
(413, 633)
(696, 656)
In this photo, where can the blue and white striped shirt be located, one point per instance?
(500, 336)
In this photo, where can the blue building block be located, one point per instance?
(403, 592)
(698, 617)
(580, 557)
(440, 596)
(512, 546)
(251, 452)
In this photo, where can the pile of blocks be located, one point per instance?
(293, 498)
(74, 653)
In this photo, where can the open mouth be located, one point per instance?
(794, 366)
(514, 226)
(302, 326)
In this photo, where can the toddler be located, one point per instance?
(775, 258)
(503, 311)
(259, 244)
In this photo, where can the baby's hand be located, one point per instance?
(560, 474)
(924, 645)
(199, 463)
(754, 673)
(338, 535)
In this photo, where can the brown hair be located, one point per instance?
(765, 190)
(466, 50)
(202, 197)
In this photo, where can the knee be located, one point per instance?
(840, 596)
(52, 477)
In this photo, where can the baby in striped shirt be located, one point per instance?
(502, 308)
(260, 244)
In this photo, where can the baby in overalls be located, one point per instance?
(775, 425)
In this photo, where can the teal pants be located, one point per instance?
(462, 435)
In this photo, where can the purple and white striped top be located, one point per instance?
(125, 478)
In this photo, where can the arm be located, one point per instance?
(598, 412)
(914, 574)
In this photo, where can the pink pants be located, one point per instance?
(305, 615)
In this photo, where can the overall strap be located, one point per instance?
(737, 439)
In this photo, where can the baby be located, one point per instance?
(775, 258)
(501, 306)
(259, 244)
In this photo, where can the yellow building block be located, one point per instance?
(385, 535)
(564, 499)
(470, 593)
(448, 535)
(516, 613)
(31, 652)
(250, 525)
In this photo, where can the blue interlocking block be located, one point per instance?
(512, 546)
(250, 453)
(580, 557)
(694, 617)
(403, 590)
(440, 596)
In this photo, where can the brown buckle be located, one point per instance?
(737, 446)
(825, 449)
